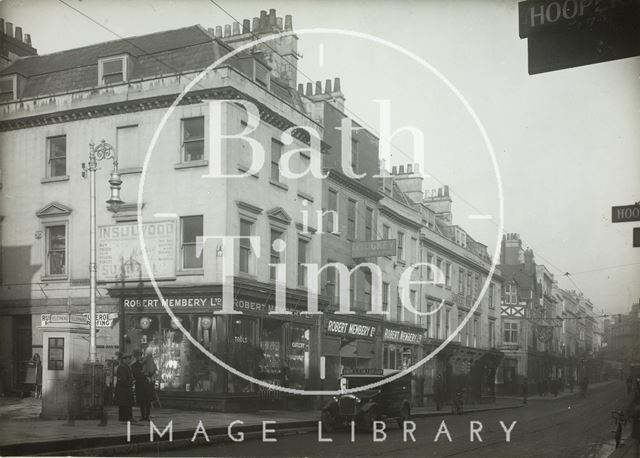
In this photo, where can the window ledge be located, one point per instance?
(305, 196)
(191, 164)
(184, 273)
(54, 179)
(46, 278)
(129, 170)
(244, 169)
(277, 184)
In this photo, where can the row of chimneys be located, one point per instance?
(328, 89)
(265, 23)
(411, 168)
(439, 193)
(7, 29)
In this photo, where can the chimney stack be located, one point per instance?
(318, 87)
(336, 85)
(300, 88)
(272, 18)
(246, 26)
(279, 24)
(264, 21)
(227, 30)
(327, 86)
(256, 25)
(19, 33)
(309, 90)
(236, 28)
(288, 23)
(9, 29)
(219, 31)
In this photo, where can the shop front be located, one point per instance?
(277, 349)
(402, 348)
(348, 342)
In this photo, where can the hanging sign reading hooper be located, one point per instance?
(119, 255)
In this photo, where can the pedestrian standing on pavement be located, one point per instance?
(525, 390)
(124, 390)
(38, 363)
(438, 389)
(143, 388)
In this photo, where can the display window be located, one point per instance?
(397, 356)
(244, 353)
(298, 357)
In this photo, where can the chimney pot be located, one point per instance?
(272, 18)
(446, 190)
(288, 23)
(401, 170)
(255, 26)
(279, 23)
(264, 21)
(439, 192)
(327, 87)
(211, 31)
(336, 85)
(309, 90)
(227, 30)
(318, 87)
(19, 33)
(236, 28)
(409, 168)
(246, 26)
(301, 88)
(9, 29)
(219, 31)
(394, 170)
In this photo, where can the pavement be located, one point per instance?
(22, 432)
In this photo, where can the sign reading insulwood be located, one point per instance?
(625, 213)
(120, 255)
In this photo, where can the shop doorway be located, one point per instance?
(21, 350)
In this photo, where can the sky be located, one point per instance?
(566, 143)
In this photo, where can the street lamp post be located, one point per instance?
(102, 150)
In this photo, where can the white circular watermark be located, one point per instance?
(401, 50)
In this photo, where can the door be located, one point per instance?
(21, 349)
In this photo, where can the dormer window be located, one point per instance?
(7, 88)
(112, 70)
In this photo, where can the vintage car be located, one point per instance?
(390, 401)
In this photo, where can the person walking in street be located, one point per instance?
(525, 390)
(438, 391)
(143, 388)
(124, 390)
(38, 363)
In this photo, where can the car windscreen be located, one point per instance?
(356, 382)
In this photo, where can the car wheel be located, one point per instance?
(369, 417)
(328, 422)
(405, 415)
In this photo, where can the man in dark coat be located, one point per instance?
(124, 390)
(144, 390)
(438, 391)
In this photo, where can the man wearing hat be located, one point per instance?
(123, 397)
(144, 389)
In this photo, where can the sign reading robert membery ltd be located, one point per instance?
(120, 255)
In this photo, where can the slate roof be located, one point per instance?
(153, 55)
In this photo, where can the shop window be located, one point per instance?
(57, 156)
(298, 357)
(193, 139)
(129, 152)
(244, 354)
(174, 355)
(271, 368)
(191, 230)
(56, 240)
(351, 219)
(246, 230)
(276, 154)
(303, 255)
(56, 354)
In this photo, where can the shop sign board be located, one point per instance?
(209, 303)
(625, 213)
(362, 371)
(402, 336)
(571, 33)
(373, 248)
(103, 320)
(350, 329)
(119, 255)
